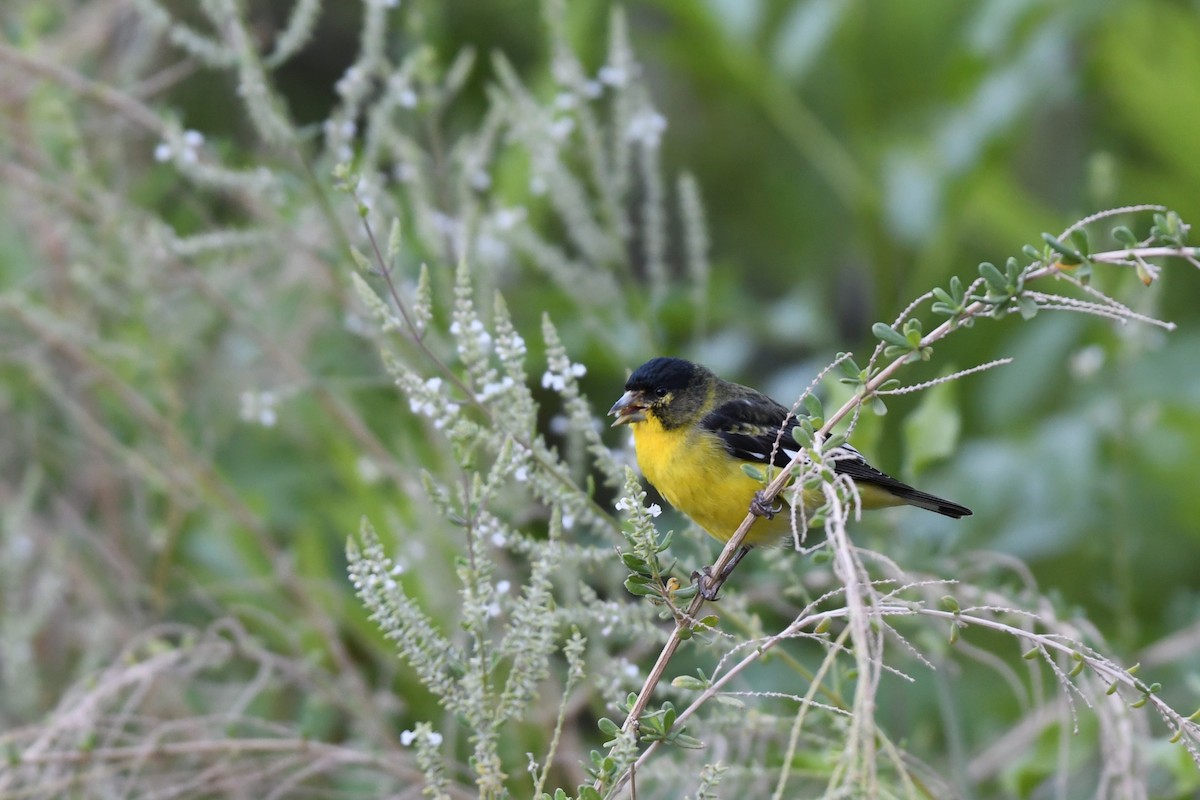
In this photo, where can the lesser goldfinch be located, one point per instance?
(693, 432)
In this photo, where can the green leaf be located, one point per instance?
(1027, 306)
(1067, 255)
(1079, 238)
(1169, 229)
(886, 333)
(812, 405)
(608, 727)
(641, 586)
(687, 592)
(802, 437)
(931, 431)
(1124, 237)
(993, 277)
(913, 332)
(848, 367)
(688, 682)
(635, 562)
(687, 741)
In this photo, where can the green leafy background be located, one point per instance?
(850, 156)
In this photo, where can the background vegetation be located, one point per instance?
(195, 416)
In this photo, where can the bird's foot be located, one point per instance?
(707, 585)
(759, 507)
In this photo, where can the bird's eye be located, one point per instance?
(661, 391)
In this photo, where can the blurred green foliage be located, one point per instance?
(849, 156)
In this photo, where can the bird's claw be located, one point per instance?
(759, 507)
(707, 586)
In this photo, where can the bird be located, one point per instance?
(694, 432)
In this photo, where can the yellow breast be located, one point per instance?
(693, 471)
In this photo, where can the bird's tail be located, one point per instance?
(929, 502)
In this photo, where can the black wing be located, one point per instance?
(752, 428)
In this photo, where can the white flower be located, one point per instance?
(349, 82)
(613, 76)
(404, 172)
(557, 381)
(408, 737)
(511, 346)
(258, 407)
(505, 219)
(481, 335)
(654, 510)
(561, 128)
(494, 388)
(502, 587)
(368, 469)
(1087, 362)
(185, 150)
(624, 505)
(646, 127)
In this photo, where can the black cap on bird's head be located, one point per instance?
(654, 383)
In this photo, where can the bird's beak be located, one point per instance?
(629, 408)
